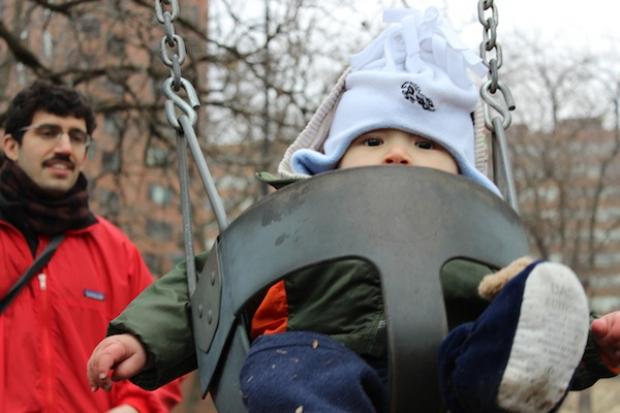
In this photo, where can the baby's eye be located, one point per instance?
(425, 144)
(372, 141)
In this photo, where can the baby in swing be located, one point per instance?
(519, 338)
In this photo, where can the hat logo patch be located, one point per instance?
(413, 93)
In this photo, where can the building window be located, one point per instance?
(158, 230)
(114, 87)
(115, 45)
(92, 150)
(234, 183)
(156, 157)
(111, 124)
(153, 261)
(111, 161)
(159, 194)
(90, 26)
(48, 44)
(109, 202)
(22, 76)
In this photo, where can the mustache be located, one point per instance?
(59, 158)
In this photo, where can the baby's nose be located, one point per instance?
(397, 157)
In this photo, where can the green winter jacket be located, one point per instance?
(161, 320)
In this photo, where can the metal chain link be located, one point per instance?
(491, 54)
(502, 103)
(173, 55)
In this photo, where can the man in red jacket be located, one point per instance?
(52, 324)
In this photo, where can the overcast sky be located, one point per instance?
(591, 24)
(567, 23)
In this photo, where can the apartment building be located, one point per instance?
(568, 182)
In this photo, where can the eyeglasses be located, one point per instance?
(50, 132)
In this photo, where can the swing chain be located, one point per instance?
(500, 103)
(159, 9)
(171, 43)
(173, 55)
(492, 57)
(166, 12)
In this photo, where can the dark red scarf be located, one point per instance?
(36, 211)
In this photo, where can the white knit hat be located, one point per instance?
(413, 77)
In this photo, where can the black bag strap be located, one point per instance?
(36, 266)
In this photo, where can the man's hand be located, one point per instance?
(606, 331)
(122, 355)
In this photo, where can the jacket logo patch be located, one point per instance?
(94, 295)
(413, 93)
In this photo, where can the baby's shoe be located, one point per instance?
(521, 353)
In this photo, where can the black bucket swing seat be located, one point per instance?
(407, 222)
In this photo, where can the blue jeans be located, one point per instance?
(286, 371)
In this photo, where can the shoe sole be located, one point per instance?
(549, 341)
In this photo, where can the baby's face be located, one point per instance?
(395, 147)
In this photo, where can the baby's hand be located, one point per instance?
(606, 331)
(121, 354)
